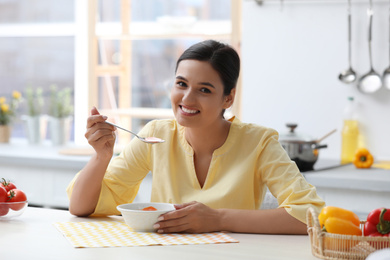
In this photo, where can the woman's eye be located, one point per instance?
(181, 84)
(205, 90)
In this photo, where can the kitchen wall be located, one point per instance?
(291, 58)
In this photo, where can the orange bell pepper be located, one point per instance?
(363, 158)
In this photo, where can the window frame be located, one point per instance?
(87, 70)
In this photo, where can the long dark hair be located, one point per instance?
(222, 57)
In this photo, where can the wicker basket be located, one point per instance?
(334, 246)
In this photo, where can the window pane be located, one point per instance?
(108, 92)
(149, 10)
(153, 70)
(35, 62)
(36, 11)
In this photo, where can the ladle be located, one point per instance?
(150, 140)
(386, 73)
(371, 81)
(348, 75)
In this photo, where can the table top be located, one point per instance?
(34, 236)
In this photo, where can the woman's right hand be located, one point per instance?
(100, 136)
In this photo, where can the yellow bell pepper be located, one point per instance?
(363, 158)
(337, 220)
(342, 226)
(336, 212)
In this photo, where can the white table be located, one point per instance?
(33, 236)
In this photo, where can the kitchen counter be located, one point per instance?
(53, 167)
(359, 190)
(33, 236)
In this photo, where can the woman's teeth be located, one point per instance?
(189, 110)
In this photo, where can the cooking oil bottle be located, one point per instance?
(350, 133)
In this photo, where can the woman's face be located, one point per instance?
(197, 97)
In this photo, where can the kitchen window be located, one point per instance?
(117, 55)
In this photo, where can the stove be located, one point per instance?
(325, 164)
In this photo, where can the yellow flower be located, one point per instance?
(4, 108)
(2, 100)
(16, 94)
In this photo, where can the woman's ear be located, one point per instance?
(229, 99)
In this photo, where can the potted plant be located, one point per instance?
(33, 120)
(7, 113)
(60, 114)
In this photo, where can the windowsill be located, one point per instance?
(18, 151)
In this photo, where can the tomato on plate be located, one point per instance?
(3, 194)
(16, 195)
(7, 185)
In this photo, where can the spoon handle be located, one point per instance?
(124, 129)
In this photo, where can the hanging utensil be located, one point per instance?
(386, 73)
(348, 75)
(371, 81)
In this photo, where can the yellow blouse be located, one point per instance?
(240, 171)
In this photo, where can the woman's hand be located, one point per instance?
(193, 217)
(100, 136)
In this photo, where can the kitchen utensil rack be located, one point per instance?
(334, 246)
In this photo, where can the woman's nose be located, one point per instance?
(188, 96)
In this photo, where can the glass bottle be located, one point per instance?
(350, 133)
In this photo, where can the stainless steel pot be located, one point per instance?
(300, 148)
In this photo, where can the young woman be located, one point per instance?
(215, 171)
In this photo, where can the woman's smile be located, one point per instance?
(188, 110)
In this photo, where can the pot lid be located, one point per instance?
(293, 136)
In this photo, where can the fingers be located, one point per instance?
(99, 134)
(180, 206)
(94, 111)
(180, 220)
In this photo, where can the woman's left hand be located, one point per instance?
(192, 217)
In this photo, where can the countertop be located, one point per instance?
(349, 177)
(33, 236)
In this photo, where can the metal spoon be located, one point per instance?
(149, 140)
(386, 73)
(349, 75)
(371, 81)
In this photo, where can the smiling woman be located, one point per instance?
(215, 171)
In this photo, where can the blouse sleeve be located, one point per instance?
(284, 179)
(123, 176)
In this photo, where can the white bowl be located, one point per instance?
(140, 220)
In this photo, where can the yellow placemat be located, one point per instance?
(117, 233)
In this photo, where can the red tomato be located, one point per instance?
(4, 209)
(7, 185)
(3, 194)
(16, 195)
